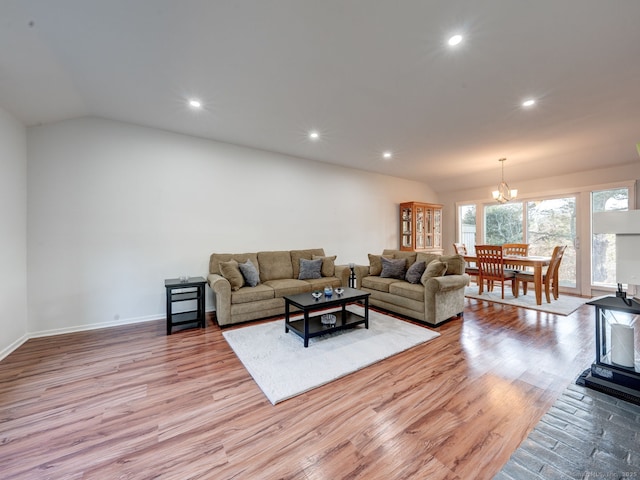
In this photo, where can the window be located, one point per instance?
(503, 223)
(603, 246)
(547, 221)
(467, 227)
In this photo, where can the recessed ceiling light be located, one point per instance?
(314, 135)
(193, 103)
(387, 155)
(529, 103)
(455, 40)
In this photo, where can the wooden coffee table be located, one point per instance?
(312, 325)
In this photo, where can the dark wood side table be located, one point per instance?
(182, 291)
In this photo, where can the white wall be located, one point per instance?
(114, 209)
(13, 233)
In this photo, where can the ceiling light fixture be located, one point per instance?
(504, 193)
(193, 103)
(529, 103)
(314, 135)
(455, 40)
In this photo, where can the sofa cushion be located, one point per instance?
(328, 265)
(378, 283)
(408, 290)
(275, 265)
(375, 263)
(288, 286)
(415, 272)
(296, 255)
(231, 271)
(427, 258)
(250, 273)
(310, 269)
(397, 303)
(409, 257)
(435, 269)
(393, 268)
(252, 294)
(320, 283)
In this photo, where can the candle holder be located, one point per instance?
(352, 275)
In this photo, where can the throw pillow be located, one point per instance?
(250, 273)
(328, 265)
(231, 271)
(310, 269)
(375, 263)
(435, 269)
(393, 268)
(414, 274)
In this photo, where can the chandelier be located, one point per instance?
(504, 193)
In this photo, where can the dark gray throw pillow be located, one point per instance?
(414, 274)
(393, 268)
(310, 269)
(250, 273)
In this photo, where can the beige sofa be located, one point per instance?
(437, 295)
(278, 271)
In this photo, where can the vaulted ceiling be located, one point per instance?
(370, 76)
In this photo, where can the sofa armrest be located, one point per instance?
(360, 271)
(343, 272)
(221, 297)
(446, 283)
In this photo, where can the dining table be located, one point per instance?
(536, 262)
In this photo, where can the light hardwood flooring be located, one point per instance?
(130, 402)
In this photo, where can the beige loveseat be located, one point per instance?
(438, 291)
(278, 274)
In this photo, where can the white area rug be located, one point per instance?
(283, 368)
(565, 305)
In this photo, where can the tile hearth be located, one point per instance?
(586, 434)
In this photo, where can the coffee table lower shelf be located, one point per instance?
(317, 328)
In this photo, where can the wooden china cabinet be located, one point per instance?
(421, 227)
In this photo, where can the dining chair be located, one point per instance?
(469, 269)
(460, 248)
(491, 266)
(549, 278)
(519, 249)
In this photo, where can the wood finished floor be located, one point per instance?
(130, 402)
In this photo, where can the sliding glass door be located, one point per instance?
(552, 222)
(603, 245)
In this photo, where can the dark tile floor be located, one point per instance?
(585, 435)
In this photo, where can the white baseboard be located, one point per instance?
(95, 326)
(14, 346)
(80, 328)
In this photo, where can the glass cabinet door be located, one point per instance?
(437, 227)
(429, 239)
(406, 228)
(420, 228)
